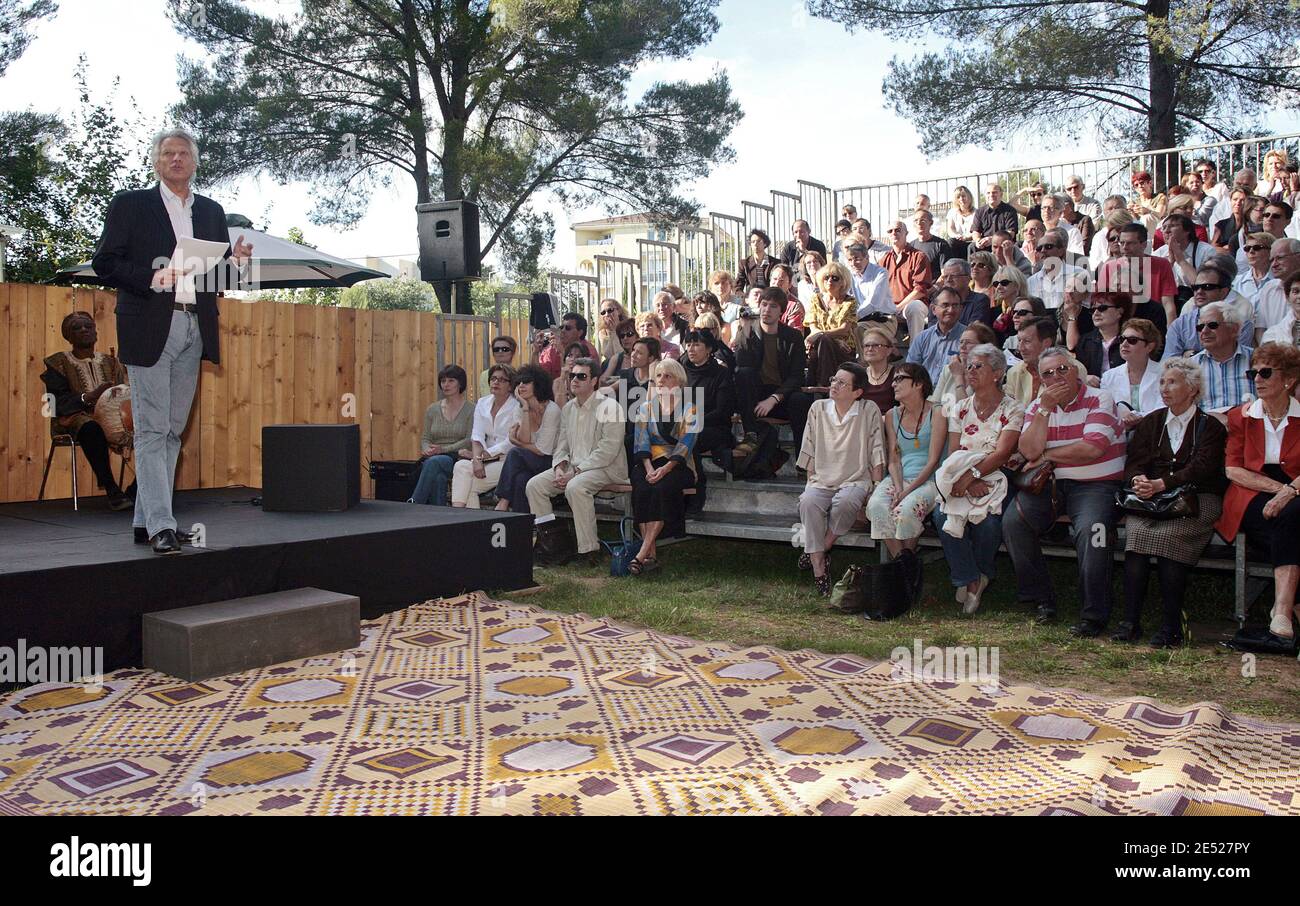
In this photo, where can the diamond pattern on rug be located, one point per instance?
(472, 706)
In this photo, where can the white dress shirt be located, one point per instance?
(181, 215)
(1273, 436)
(494, 433)
(1270, 305)
(1051, 282)
(1201, 253)
(871, 289)
(1176, 427)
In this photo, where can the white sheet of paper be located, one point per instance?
(198, 256)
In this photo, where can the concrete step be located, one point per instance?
(760, 528)
(774, 497)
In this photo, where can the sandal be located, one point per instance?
(805, 561)
(650, 564)
(823, 584)
(636, 566)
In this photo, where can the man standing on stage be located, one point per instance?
(166, 319)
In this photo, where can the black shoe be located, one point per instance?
(117, 501)
(1127, 632)
(1167, 638)
(142, 536)
(742, 457)
(165, 542)
(914, 574)
(1087, 629)
(1045, 615)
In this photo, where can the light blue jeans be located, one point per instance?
(161, 396)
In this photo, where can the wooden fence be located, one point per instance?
(280, 364)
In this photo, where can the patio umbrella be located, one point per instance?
(278, 264)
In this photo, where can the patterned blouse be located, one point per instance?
(983, 435)
(818, 319)
(650, 442)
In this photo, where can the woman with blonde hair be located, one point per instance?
(711, 325)
(648, 324)
(1275, 183)
(982, 268)
(1007, 287)
(666, 427)
(960, 221)
(832, 321)
(612, 313)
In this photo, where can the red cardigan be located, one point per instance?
(1246, 451)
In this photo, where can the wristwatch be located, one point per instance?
(975, 472)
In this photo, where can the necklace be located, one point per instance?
(902, 417)
(986, 415)
(884, 377)
(1275, 418)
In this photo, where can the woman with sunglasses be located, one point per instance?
(1263, 466)
(916, 434)
(1022, 312)
(560, 387)
(1174, 447)
(982, 269)
(832, 321)
(877, 350)
(612, 313)
(987, 422)
(952, 383)
(533, 436)
(503, 353)
(627, 336)
(1099, 348)
(1134, 384)
(1007, 287)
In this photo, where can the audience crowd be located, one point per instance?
(1046, 362)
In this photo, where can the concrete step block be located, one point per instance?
(222, 637)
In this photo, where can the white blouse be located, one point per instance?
(1273, 436)
(494, 433)
(1115, 382)
(548, 432)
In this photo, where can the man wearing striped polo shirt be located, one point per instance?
(1077, 427)
(1223, 361)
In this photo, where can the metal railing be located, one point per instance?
(719, 242)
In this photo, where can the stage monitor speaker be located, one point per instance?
(448, 232)
(395, 479)
(311, 468)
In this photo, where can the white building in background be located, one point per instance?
(408, 268)
(620, 238)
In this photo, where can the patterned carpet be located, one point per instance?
(468, 706)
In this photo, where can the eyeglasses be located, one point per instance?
(899, 378)
(627, 334)
(574, 376)
(839, 382)
(1208, 287)
(975, 366)
(1207, 325)
(1021, 312)
(609, 311)
(873, 345)
(1128, 340)
(1060, 371)
(1204, 170)
(1074, 185)
(1046, 246)
(502, 349)
(1035, 194)
(1105, 308)
(1001, 283)
(1271, 215)
(1253, 373)
(833, 278)
(498, 379)
(1253, 248)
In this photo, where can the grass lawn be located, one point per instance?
(750, 593)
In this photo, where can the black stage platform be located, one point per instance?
(77, 579)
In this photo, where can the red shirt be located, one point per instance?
(793, 314)
(552, 358)
(1147, 278)
(907, 272)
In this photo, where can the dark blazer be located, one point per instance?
(1226, 232)
(1199, 461)
(138, 239)
(1093, 356)
(714, 380)
(791, 354)
(754, 272)
(1246, 451)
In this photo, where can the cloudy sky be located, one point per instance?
(792, 74)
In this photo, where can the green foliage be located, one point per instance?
(1141, 73)
(494, 102)
(57, 179)
(16, 19)
(397, 294)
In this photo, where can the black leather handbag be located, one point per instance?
(1176, 503)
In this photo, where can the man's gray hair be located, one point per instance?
(155, 146)
(1061, 236)
(857, 247)
(960, 264)
(1289, 246)
(1054, 350)
(1216, 267)
(1075, 177)
(1188, 368)
(1227, 313)
(993, 357)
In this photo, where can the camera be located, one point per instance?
(748, 314)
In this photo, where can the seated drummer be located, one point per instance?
(77, 379)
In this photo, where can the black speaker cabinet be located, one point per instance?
(311, 468)
(448, 232)
(395, 479)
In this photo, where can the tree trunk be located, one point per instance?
(1162, 114)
